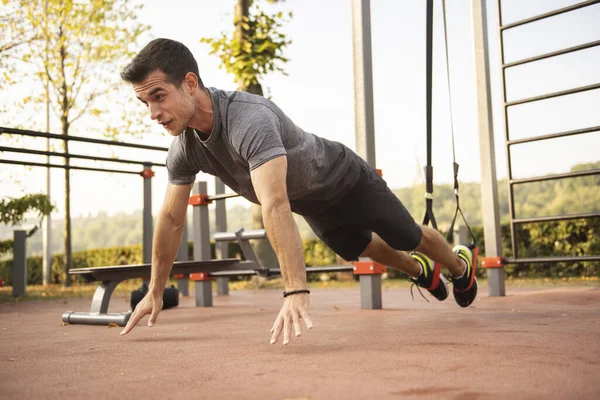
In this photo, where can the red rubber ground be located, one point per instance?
(532, 344)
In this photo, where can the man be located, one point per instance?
(256, 150)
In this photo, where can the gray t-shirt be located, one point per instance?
(249, 130)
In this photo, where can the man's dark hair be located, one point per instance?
(166, 55)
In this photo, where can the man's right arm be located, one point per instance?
(167, 236)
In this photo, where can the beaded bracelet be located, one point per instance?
(285, 294)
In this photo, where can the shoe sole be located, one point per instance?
(466, 297)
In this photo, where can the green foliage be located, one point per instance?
(12, 211)
(77, 48)
(537, 199)
(316, 253)
(120, 255)
(254, 53)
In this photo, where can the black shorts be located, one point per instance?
(370, 206)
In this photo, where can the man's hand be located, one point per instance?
(293, 311)
(151, 304)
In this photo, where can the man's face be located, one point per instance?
(170, 106)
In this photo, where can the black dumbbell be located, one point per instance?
(170, 296)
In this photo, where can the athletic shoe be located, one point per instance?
(431, 278)
(465, 286)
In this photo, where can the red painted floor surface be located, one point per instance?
(531, 344)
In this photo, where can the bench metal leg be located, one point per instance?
(98, 314)
(222, 285)
(204, 293)
(370, 292)
(183, 285)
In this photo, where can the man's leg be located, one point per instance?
(381, 252)
(432, 245)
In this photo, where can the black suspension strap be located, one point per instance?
(454, 163)
(429, 217)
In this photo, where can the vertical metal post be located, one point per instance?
(183, 284)
(489, 184)
(19, 267)
(461, 235)
(47, 231)
(147, 174)
(221, 248)
(363, 81)
(46, 239)
(201, 235)
(370, 292)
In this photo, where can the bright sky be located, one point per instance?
(318, 91)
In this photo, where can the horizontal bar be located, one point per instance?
(535, 260)
(277, 271)
(312, 270)
(554, 135)
(555, 176)
(79, 139)
(555, 218)
(79, 156)
(552, 54)
(46, 165)
(222, 196)
(552, 95)
(247, 235)
(550, 14)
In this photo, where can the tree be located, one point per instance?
(12, 211)
(253, 50)
(15, 34)
(78, 50)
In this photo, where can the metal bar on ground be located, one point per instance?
(46, 165)
(553, 95)
(550, 14)
(78, 139)
(221, 196)
(555, 176)
(553, 54)
(79, 156)
(554, 135)
(245, 235)
(556, 218)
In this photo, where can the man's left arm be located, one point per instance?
(269, 181)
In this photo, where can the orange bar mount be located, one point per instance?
(368, 268)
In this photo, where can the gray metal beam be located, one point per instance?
(489, 184)
(19, 266)
(221, 248)
(363, 81)
(148, 229)
(201, 235)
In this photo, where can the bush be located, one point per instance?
(559, 238)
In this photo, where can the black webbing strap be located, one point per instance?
(429, 217)
(450, 235)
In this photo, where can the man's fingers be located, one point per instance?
(133, 320)
(297, 323)
(306, 318)
(287, 329)
(276, 330)
(153, 316)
